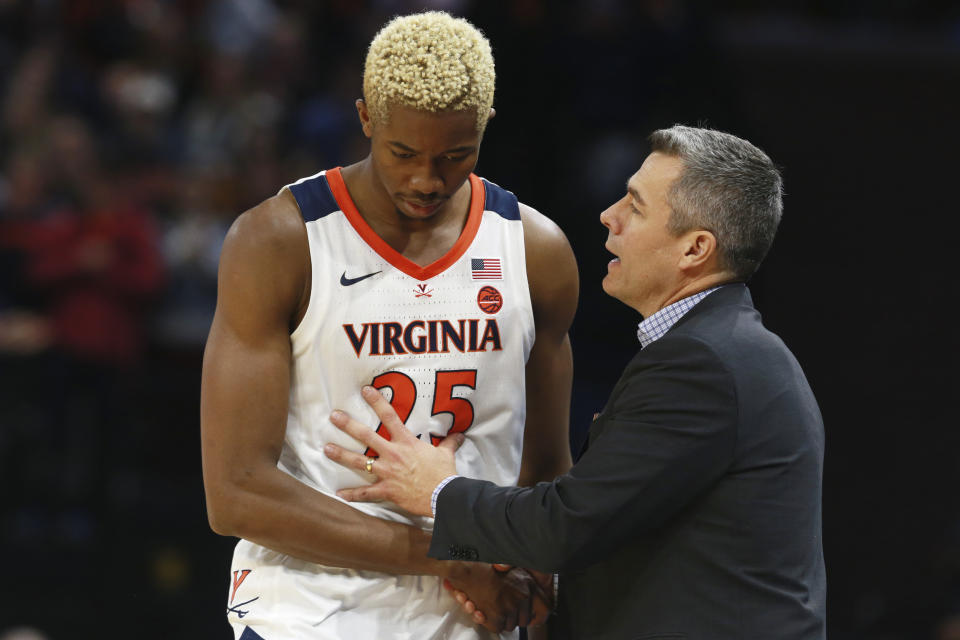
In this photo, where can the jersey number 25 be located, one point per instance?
(405, 397)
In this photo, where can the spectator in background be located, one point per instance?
(192, 236)
(96, 261)
(90, 260)
(23, 330)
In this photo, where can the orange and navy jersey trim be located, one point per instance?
(314, 197)
(500, 201)
(318, 198)
(388, 253)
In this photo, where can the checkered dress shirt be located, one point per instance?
(436, 493)
(654, 327)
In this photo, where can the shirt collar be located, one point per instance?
(653, 328)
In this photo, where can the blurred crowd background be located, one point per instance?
(132, 132)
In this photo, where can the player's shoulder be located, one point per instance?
(543, 238)
(268, 239)
(264, 270)
(551, 268)
(273, 225)
(500, 201)
(317, 196)
(538, 227)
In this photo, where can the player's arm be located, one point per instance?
(554, 287)
(264, 284)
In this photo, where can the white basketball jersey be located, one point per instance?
(448, 344)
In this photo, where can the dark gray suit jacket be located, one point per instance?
(694, 511)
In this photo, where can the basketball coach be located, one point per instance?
(695, 509)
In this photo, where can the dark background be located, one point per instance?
(133, 132)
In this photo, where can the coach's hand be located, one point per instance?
(407, 469)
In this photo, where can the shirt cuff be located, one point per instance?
(436, 493)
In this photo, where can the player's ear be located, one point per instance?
(493, 112)
(364, 114)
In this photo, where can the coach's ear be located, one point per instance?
(365, 122)
(493, 112)
(699, 251)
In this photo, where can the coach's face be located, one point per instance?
(420, 158)
(645, 272)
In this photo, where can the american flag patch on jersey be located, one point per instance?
(486, 269)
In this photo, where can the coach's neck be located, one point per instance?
(698, 268)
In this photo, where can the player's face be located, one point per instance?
(645, 268)
(421, 159)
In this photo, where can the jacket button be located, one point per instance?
(457, 552)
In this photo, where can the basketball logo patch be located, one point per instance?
(489, 300)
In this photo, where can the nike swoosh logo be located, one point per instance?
(345, 281)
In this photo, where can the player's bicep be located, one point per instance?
(246, 368)
(554, 286)
(243, 397)
(546, 448)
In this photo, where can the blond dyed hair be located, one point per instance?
(431, 62)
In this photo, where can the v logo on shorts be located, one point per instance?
(238, 578)
(345, 281)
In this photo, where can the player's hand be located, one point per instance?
(543, 602)
(499, 600)
(407, 469)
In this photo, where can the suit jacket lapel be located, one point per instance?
(735, 294)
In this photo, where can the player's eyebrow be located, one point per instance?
(634, 194)
(401, 146)
(461, 149)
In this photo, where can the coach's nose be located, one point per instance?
(609, 217)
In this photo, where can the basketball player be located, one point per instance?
(407, 272)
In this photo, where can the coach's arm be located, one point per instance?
(667, 434)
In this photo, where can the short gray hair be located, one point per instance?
(728, 187)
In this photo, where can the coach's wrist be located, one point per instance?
(436, 492)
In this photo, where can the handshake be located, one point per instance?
(500, 597)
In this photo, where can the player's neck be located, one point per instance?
(422, 240)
